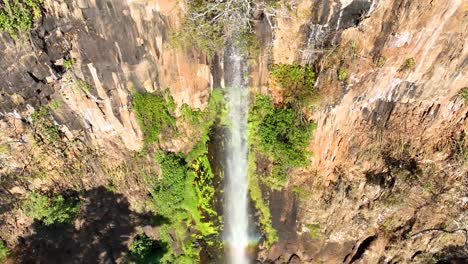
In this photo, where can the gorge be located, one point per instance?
(160, 131)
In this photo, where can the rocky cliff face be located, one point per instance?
(388, 179)
(83, 60)
(118, 47)
(396, 112)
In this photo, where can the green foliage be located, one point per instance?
(69, 63)
(50, 210)
(45, 128)
(314, 230)
(297, 83)
(83, 85)
(153, 111)
(54, 104)
(380, 61)
(248, 44)
(409, 64)
(198, 31)
(184, 192)
(281, 135)
(185, 195)
(260, 204)
(464, 93)
(342, 73)
(302, 192)
(4, 251)
(17, 16)
(168, 193)
(144, 250)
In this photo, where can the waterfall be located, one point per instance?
(236, 220)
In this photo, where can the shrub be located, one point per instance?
(198, 29)
(50, 210)
(296, 81)
(4, 251)
(69, 63)
(45, 129)
(342, 73)
(464, 93)
(280, 134)
(409, 64)
(144, 250)
(17, 16)
(153, 111)
(168, 193)
(83, 85)
(314, 230)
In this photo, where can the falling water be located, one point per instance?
(236, 200)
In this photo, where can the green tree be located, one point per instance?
(144, 250)
(297, 83)
(50, 210)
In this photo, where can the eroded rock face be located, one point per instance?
(396, 114)
(388, 116)
(119, 47)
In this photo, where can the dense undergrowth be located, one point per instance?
(17, 16)
(278, 136)
(184, 191)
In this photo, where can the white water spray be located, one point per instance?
(236, 184)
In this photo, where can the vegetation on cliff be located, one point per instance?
(145, 250)
(50, 210)
(18, 16)
(280, 134)
(183, 192)
(3, 251)
(154, 112)
(296, 82)
(207, 24)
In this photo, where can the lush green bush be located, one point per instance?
(184, 191)
(297, 83)
(4, 251)
(260, 204)
(17, 16)
(50, 210)
(144, 250)
(154, 112)
(168, 193)
(280, 134)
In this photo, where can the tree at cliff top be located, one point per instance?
(17, 16)
(208, 22)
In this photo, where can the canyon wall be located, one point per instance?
(398, 111)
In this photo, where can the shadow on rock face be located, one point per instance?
(99, 234)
